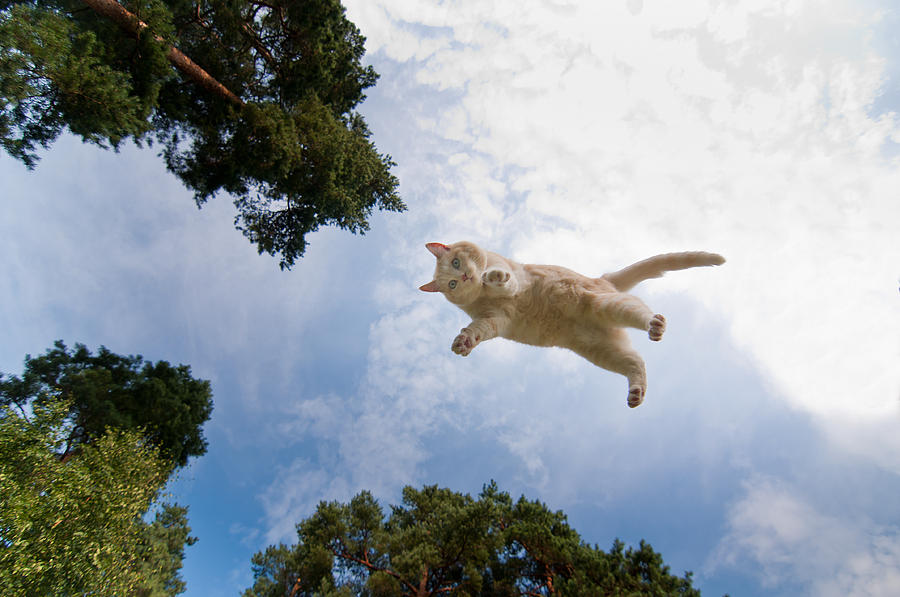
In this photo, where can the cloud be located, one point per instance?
(152, 241)
(294, 494)
(792, 542)
(747, 129)
(246, 536)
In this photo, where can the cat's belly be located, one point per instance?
(542, 333)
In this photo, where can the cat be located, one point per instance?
(548, 305)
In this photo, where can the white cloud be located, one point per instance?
(247, 536)
(294, 494)
(125, 240)
(742, 127)
(790, 541)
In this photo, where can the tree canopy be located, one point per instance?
(256, 99)
(87, 442)
(441, 542)
(164, 403)
(75, 527)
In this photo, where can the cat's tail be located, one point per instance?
(654, 267)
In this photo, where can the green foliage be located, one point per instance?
(86, 444)
(443, 542)
(161, 553)
(295, 154)
(275, 569)
(55, 74)
(106, 390)
(72, 528)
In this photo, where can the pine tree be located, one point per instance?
(254, 98)
(107, 390)
(440, 542)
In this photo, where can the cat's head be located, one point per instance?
(458, 271)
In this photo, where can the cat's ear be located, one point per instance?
(437, 249)
(430, 287)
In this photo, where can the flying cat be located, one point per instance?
(548, 305)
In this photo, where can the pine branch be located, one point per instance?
(345, 554)
(133, 26)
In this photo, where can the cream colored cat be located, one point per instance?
(548, 305)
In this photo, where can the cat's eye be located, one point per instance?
(455, 263)
(452, 284)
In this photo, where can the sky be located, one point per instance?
(766, 456)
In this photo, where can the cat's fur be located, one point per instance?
(548, 305)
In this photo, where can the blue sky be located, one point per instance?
(766, 456)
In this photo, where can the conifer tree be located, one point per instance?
(254, 98)
(441, 542)
(105, 390)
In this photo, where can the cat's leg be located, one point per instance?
(612, 351)
(478, 331)
(619, 308)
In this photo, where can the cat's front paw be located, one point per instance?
(464, 342)
(657, 327)
(635, 395)
(495, 277)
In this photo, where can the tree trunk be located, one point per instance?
(133, 26)
(423, 584)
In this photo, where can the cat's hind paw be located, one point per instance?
(657, 327)
(464, 343)
(635, 396)
(495, 277)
